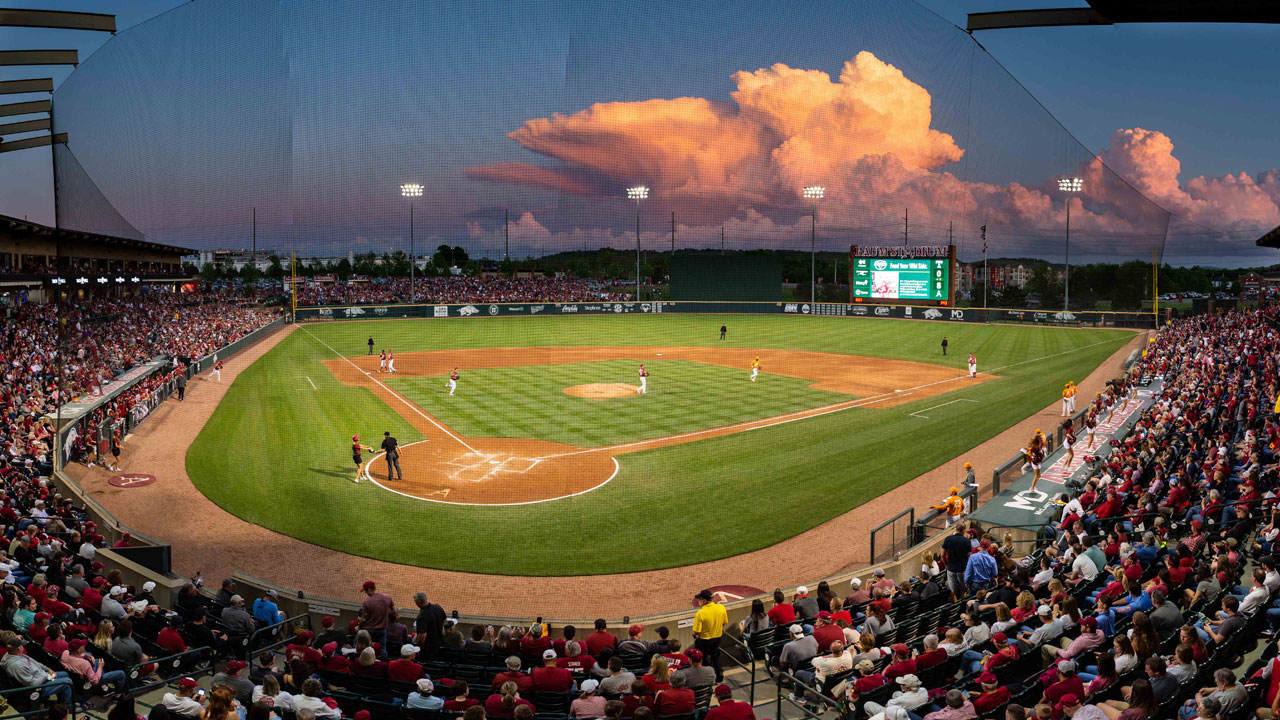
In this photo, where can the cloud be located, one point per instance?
(867, 136)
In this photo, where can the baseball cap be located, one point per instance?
(76, 644)
(900, 649)
(15, 642)
(635, 629)
(1196, 524)
(723, 690)
(824, 615)
(326, 622)
(855, 583)
(1044, 610)
(548, 654)
(803, 590)
(988, 678)
(118, 591)
(878, 572)
(362, 715)
(694, 655)
(236, 600)
(148, 586)
(999, 638)
(1070, 700)
(968, 464)
(797, 631)
(865, 665)
(187, 684)
(955, 490)
(408, 650)
(704, 595)
(329, 648)
(1089, 622)
(235, 666)
(1066, 666)
(909, 681)
(425, 685)
(43, 616)
(590, 685)
(368, 585)
(272, 593)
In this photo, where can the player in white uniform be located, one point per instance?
(973, 365)
(1071, 401)
(453, 382)
(382, 361)
(644, 381)
(755, 368)
(217, 368)
(391, 362)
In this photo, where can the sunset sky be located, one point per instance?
(315, 112)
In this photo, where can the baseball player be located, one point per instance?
(953, 506)
(970, 480)
(755, 368)
(973, 365)
(1071, 404)
(644, 381)
(453, 382)
(382, 361)
(217, 369)
(1066, 400)
(391, 362)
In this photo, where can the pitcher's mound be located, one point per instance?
(602, 390)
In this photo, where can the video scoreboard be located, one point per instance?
(909, 275)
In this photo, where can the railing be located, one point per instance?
(251, 646)
(32, 695)
(843, 710)
(897, 541)
(749, 666)
(176, 662)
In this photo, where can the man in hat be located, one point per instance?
(697, 675)
(806, 608)
(825, 631)
(26, 672)
(634, 645)
(952, 507)
(800, 649)
(233, 678)
(549, 677)
(422, 698)
(1068, 683)
(235, 619)
(223, 597)
(909, 698)
(727, 708)
(901, 663)
(406, 668)
(328, 634)
(1074, 709)
(374, 614)
(992, 696)
(1050, 629)
(183, 703)
(265, 610)
(112, 607)
(708, 628)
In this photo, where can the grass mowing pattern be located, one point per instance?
(529, 402)
(276, 452)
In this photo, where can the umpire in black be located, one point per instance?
(391, 447)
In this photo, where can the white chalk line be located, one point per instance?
(369, 476)
(313, 384)
(815, 412)
(394, 394)
(935, 407)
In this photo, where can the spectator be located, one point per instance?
(588, 704)
(422, 697)
(183, 704)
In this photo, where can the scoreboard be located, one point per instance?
(920, 275)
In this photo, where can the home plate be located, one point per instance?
(659, 354)
(493, 462)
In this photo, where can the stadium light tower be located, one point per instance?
(411, 191)
(1068, 186)
(813, 193)
(637, 193)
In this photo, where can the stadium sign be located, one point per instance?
(791, 307)
(493, 309)
(537, 309)
(568, 308)
(443, 310)
(464, 312)
(901, 251)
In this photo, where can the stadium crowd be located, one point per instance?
(103, 338)
(460, 289)
(1139, 602)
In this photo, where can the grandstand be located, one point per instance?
(184, 536)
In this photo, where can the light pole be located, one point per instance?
(637, 193)
(1068, 186)
(814, 193)
(411, 190)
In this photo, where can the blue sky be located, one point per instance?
(1208, 88)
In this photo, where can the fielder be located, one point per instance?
(217, 369)
(973, 365)
(391, 362)
(382, 361)
(1072, 407)
(644, 381)
(1066, 400)
(453, 382)
(953, 506)
(755, 368)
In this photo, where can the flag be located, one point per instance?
(984, 239)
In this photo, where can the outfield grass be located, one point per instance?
(529, 402)
(704, 500)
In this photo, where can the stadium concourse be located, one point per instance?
(1156, 581)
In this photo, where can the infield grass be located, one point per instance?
(704, 500)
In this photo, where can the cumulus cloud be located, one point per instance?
(868, 136)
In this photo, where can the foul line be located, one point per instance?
(935, 407)
(313, 384)
(812, 413)
(394, 394)
(369, 476)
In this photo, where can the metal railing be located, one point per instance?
(251, 645)
(802, 690)
(749, 665)
(175, 662)
(33, 695)
(906, 539)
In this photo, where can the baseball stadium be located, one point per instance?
(564, 361)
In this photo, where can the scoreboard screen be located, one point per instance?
(920, 279)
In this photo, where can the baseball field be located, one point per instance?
(546, 461)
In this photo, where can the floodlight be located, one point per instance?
(639, 192)
(814, 192)
(411, 190)
(1070, 184)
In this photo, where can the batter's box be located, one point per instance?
(477, 467)
(519, 464)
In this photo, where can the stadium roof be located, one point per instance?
(1271, 239)
(1110, 12)
(14, 224)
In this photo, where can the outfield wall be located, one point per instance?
(902, 312)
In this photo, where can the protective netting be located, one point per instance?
(314, 113)
(86, 208)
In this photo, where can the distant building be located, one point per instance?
(1001, 273)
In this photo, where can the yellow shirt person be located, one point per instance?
(709, 623)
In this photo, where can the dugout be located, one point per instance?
(753, 276)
